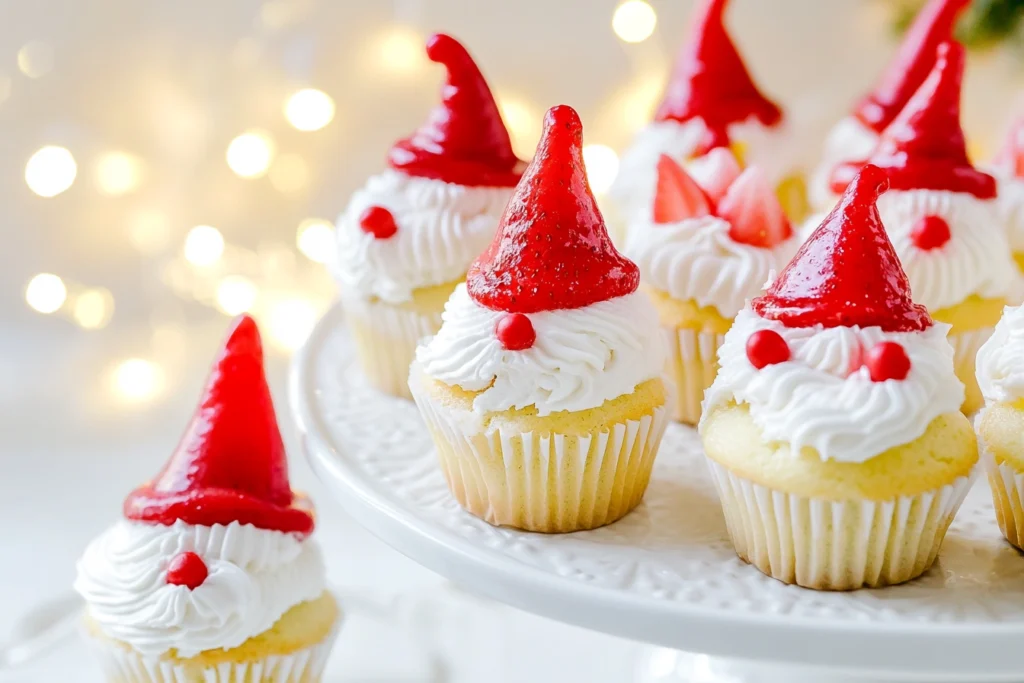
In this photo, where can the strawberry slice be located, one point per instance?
(715, 171)
(677, 195)
(753, 211)
(1011, 156)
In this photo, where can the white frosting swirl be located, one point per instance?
(696, 259)
(1000, 362)
(255, 576)
(1010, 204)
(633, 190)
(582, 356)
(814, 400)
(442, 227)
(849, 140)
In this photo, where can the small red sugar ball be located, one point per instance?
(931, 232)
(187, 569)
(766, 347)
(378, 221)
(887, 360)
(515, 332)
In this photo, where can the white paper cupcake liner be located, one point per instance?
(965, 351)
(1007, 486)
(385, 338)
(548, 482)
(121, 665)
(836, 545)
(693, 364)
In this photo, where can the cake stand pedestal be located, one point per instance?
(666, 574)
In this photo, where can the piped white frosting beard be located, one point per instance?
(582, 357)
(975, 261)
(633, 190)
(442, 227)
(255, 576)
(814, 400)
(1000, 363)
(696, 259)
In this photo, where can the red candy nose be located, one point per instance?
(515, 332)
(931, 232)
(378, 221)
(887, 360)
(766, 347)
(187, 569)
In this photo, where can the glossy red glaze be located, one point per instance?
(711, 82)
(187, 569)
(378, 221)
(515, 332)
(924, 147)
(677, 195)
(930, 232)
(766, 347)
(552, 250)
(753, 210)
(932, 26)
(847, 272)
(464, 140)
(230, 465)
(887, 360)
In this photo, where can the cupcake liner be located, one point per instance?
(1007, 486)
(547, 482)
(693, 364)
(123, 665)
(385, 338)
(836, 545)
(965, 351)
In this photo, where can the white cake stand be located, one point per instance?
(666, 574)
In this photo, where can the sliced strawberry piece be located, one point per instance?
(753, 211)
(677, 195)
(1011, 156)
(715, 171)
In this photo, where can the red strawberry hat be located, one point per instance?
(552, 250)
(1011, 156)
(847, 272)
(230, 465)
(464, 140)
(911, 65)
(711, 82)
(924, 148)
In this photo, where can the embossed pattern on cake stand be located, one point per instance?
(666, 574)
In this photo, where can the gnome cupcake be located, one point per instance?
(855, 136)
(833, 429)
(709, 245)
(211, 576)
(942, 216)
(710, 101)
(407, 237)
(543, 390)
(1008, 168)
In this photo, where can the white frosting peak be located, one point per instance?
(814, 400)
(581, 358)
(1000, 363)
(255, 576)
(442, 227)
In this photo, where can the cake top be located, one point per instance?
(710, 81)
(230, 465)
(924, 147)
(744, 199)
(847, 272)
(1011, 156)
(911, 64)
(552, 249)
(463, 141)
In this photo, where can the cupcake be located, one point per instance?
(1001, 424)
(543, 390)
(211, 576)
(833, 429)
(407, 237)
(942, 216)
(855, 136)
(708, 246)
(1008, 168)
(710, 101)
